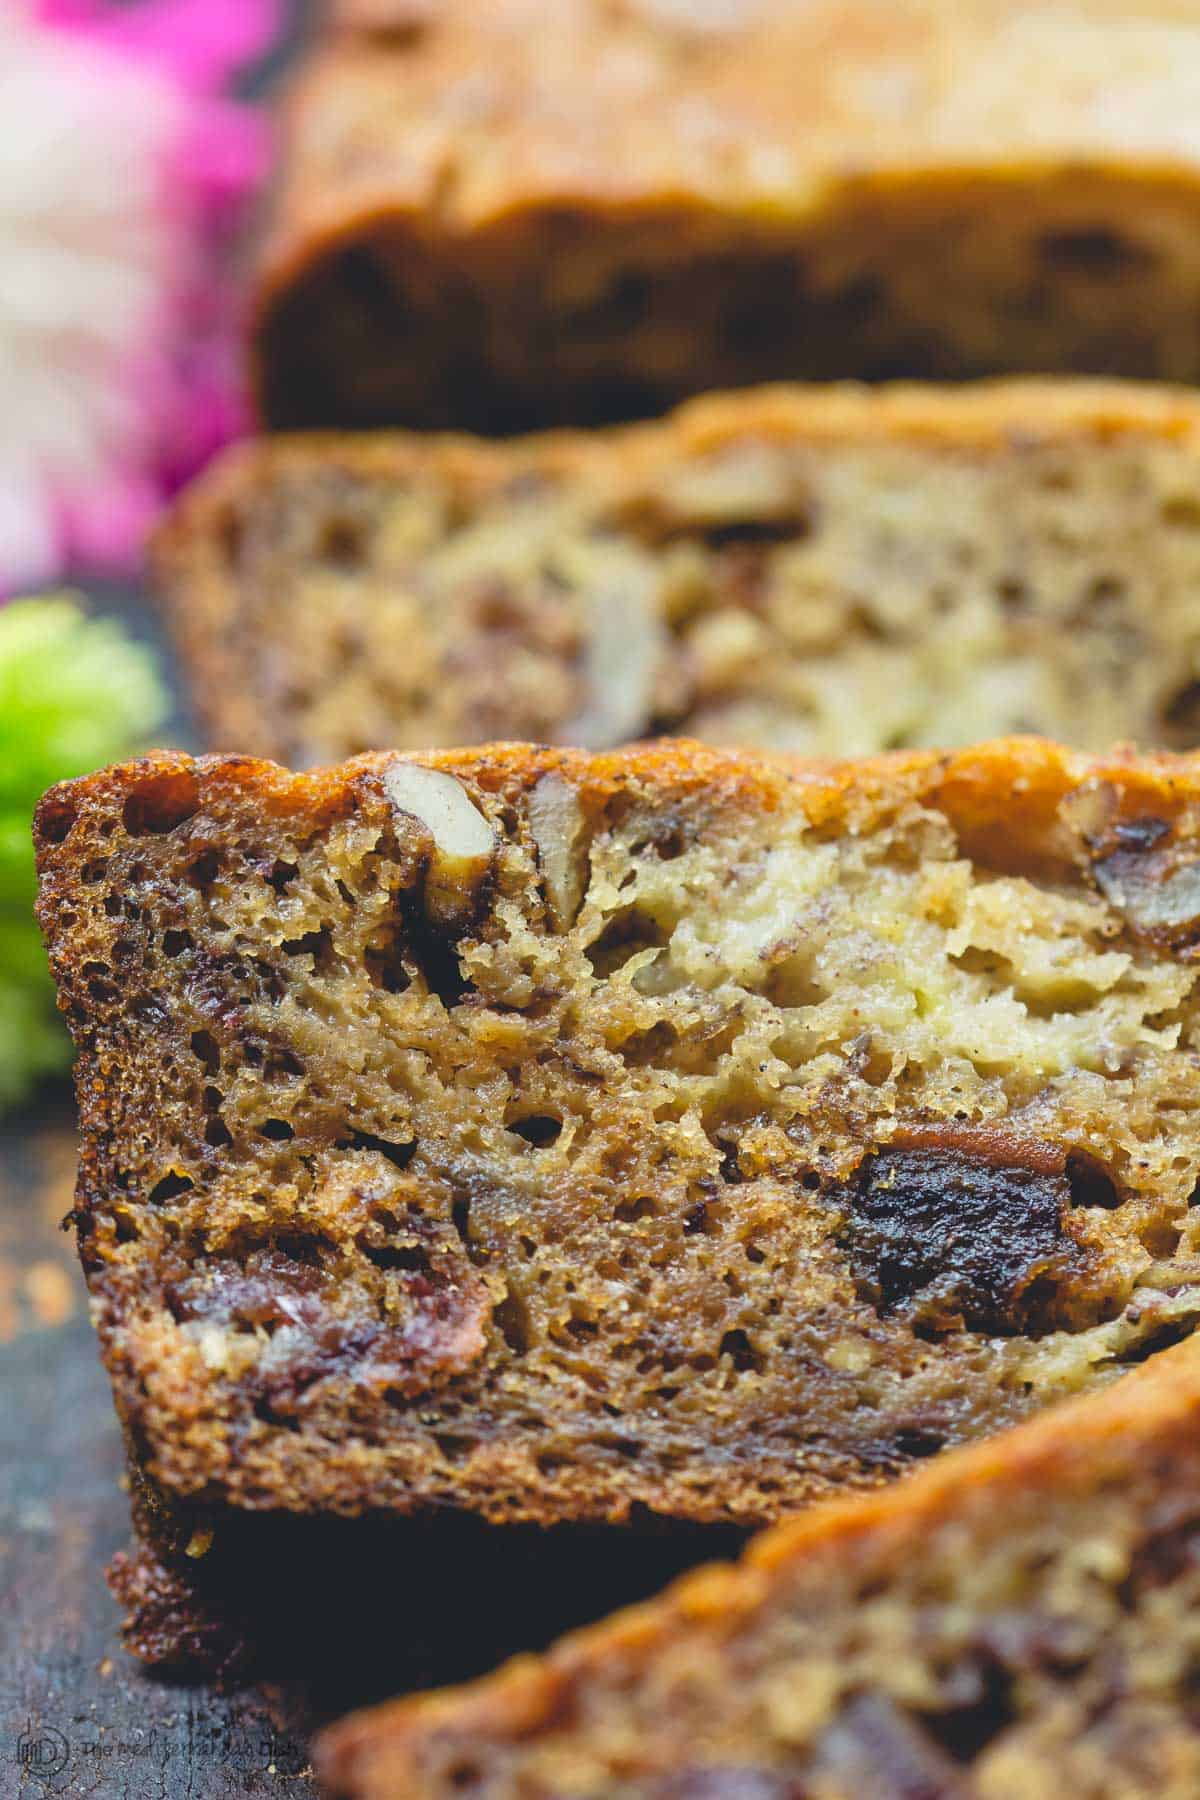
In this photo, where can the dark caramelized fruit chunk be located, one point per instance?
(961, 1237)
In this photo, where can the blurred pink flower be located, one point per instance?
(125, 171)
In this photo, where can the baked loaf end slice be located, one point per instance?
(835, 571)
(514, 215)
(1020, 1621)
(551, 1136)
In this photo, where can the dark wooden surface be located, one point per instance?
(77, 1716)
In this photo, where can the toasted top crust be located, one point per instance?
(1144, 1429)
(463, 116)
(1002, 799)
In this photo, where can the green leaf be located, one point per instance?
(75, 693)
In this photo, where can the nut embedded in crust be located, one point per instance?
(556, 821)
(464, 845)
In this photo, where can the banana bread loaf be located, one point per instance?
(1019, 1623)
(554, 1137)
(837, 571)
(509, 215)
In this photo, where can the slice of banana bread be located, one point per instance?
(833, 570)
(552, 1137)
(1019, 1623)
(509, 215)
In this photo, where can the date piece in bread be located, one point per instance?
(1020, 1622)
(511, 215)
(833, 571)
(556, 1137)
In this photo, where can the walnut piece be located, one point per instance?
(556, 821)
(463, 843)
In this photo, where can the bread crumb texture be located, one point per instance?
(550, 1136)
(834, 571)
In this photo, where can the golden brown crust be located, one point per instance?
(474, 67)
(1083, 1449)
(1007, 792)
(839, 132)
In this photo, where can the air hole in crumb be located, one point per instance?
(512, 1322)
(392, 1256)
(204, 1047)
(453, 1447)
(1105, 590)
(731, 1168)
(317, 944)
(432, 955)
(737, 1346)
(176, 942)
(629, 1211)
(216, 1134)
(281, 1065)
(311, 1252)
(161, 802)
(385, 970)
(464, 1775)
(1012, 594)
(764, 532)
(1095, 252)
(278, 1130)
(919, 1441)
(281, 874)
(56, 819)
(170, 1187)
(626, 934)
(537, 1129)
(343, 542)
(203, 872)
(268, 1414)
(669, 834)
(400, 1155)
(966, 1730)
(1090, 1183)
(628, 1448)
